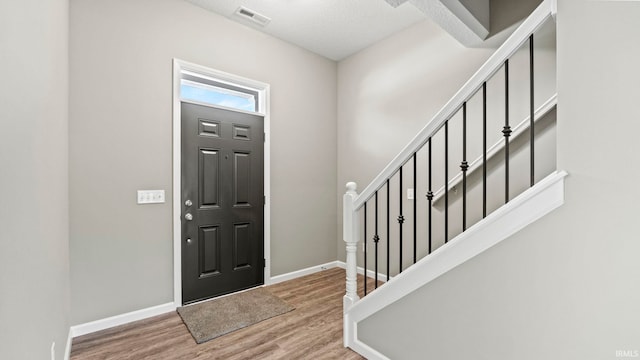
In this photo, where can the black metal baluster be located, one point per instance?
(531, 111)
(506, 131)
(415, 221)
(484, 150)
(429, 196)
(364, 244)
(446, 181)
(388, 230)
(376, 239)
(400, 219)
(464, 166)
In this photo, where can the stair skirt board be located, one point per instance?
(526, 208)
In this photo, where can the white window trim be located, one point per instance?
(180, 66)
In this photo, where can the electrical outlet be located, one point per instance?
(53, 350)
(150, 196)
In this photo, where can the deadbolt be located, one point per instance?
(188, 203)
(188, 217)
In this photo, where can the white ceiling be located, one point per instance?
(332, 28)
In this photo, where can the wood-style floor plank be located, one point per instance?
(312, 331)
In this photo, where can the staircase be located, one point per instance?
(470, 184)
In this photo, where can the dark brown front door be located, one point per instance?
(222, 201)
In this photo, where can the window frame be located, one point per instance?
(208, 81)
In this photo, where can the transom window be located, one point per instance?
(201, 88)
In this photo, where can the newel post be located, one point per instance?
(350, 236)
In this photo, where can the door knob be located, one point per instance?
(189, 241)
(188, 217)
(188, 203)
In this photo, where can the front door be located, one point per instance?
(222, 201)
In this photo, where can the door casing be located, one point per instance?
(178, 67)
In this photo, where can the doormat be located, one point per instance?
(210, 319)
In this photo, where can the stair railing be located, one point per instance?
(354, 202)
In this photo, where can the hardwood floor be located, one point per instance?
(312, 331)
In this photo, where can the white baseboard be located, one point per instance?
(302, 272)
(370, 273)
(102, 324)
(93, 326)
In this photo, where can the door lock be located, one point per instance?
(188, 203)
(188, 217)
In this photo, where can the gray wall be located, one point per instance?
(120, 141)
(567, 286)
(34, 227)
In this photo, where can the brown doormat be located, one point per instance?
(210, 319)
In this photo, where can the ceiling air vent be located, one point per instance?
(252, 16)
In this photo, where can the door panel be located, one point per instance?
(242, 246)
(222, 176)
(241, 179)
(208, 128)
(241, 132)
(209, 243)
(208, 179)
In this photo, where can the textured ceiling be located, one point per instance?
(332, 28)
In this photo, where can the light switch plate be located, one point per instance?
(410, 194)
(150, 196)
